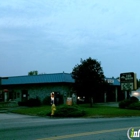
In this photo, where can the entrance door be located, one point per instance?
(24, 95)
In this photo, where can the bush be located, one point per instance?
(134, 99)
(124, 103)
(127, 102)
(22, 103)
(61, 100)
(135, 106)
(69, 111)
(47, 100)
(31, 102)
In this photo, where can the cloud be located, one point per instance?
(34, 33)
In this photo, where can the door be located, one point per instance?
(24, 95)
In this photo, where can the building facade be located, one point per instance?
(22, 88)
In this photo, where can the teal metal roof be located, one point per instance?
(113, 81)
(48, 78)
(38, 79)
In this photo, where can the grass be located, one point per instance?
(94, 112)
(108, 111)
(34, 111)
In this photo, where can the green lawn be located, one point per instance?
(107, 111)
(35, 111)
(95, 111)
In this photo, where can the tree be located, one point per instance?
(89, 78)
(33, 73)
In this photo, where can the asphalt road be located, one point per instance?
(23, 127)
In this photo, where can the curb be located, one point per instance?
(3, 111)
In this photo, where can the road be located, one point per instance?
(23, 127)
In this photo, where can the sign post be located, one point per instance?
(128, 81)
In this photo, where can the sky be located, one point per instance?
(52, 36)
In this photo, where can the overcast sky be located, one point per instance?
(51, 36)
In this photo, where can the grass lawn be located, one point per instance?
(95, 111)
(108, 111)
(35, 111)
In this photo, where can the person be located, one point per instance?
(52, 98)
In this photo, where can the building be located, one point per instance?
(114, 92)
(21, 88)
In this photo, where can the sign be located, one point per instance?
(131, 133)
(127, 86)
(128, 81)
(110, 81)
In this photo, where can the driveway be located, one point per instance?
(114, 104)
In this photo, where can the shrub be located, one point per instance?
(134, 99)
(22, 103)
(61, 100)
(127, 102)
(33, 102)
(47, 100)
(135, 106)
(69, 111)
